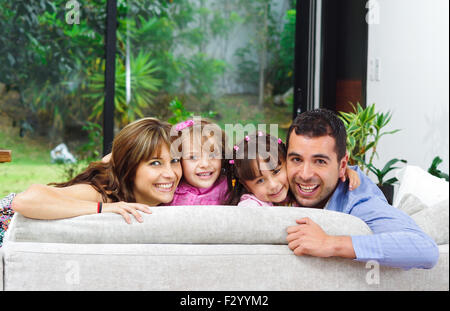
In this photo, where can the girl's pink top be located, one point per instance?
(249, 200)
(185, 194)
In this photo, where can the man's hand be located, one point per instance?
(308, 238)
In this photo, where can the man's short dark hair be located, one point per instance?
(318, 123)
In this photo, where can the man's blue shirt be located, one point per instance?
(396, 241)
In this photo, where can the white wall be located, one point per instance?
(412, 43)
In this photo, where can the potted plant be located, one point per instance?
(365, 127)
(364, 130)
(386, 186)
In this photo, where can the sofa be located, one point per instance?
(205, 248)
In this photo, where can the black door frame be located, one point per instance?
(304, 56)
(337, 20)
(340, 20)
(110, 75)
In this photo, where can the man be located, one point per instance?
(316, 159)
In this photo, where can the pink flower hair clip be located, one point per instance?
(279, 141)
(231, 162)
(247, 138)
(182, 125)
(236, 148)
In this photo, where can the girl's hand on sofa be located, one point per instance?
(125, 209)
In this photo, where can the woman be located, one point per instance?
(141, 173)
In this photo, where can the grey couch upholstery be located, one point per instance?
(194, 248)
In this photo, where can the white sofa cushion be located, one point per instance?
(428, 188)
(433, 220)
(140, 265)
(184, 224)
(411, 204)
(175, 267)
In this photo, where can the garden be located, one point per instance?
(224, 60)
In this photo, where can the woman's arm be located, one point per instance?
(45, 202)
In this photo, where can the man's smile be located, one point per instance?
(307, 189)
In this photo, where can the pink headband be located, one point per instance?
(182, 125)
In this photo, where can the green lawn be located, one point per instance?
(31, 162)
(16, 177)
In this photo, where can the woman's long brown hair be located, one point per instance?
(136, 142)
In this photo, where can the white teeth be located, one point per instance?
(164, 186)
(204, 174)
(308, 188)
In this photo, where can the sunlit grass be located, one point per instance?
(17, 177)
(30, 164)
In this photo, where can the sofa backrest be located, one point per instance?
(184, 225)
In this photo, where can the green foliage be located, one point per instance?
(364, 130)
(277, 45)
(40, 53)
(180, 113)
(201, 72)
(58, 68)
(69, 171)
(143, 87)
(90, 151)
(433, 170)
(283, 66)
(381, 174)
(177, 33)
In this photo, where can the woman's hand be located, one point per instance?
(125, 209)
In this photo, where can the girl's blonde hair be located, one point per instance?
(204, 127)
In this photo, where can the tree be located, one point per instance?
(44, 58)
(258, 14)
(273, 43)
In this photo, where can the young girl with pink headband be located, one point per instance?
(202, 145)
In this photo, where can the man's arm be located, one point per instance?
(397, 241)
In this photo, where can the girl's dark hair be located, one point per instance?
(136, 142)
(257, 146)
